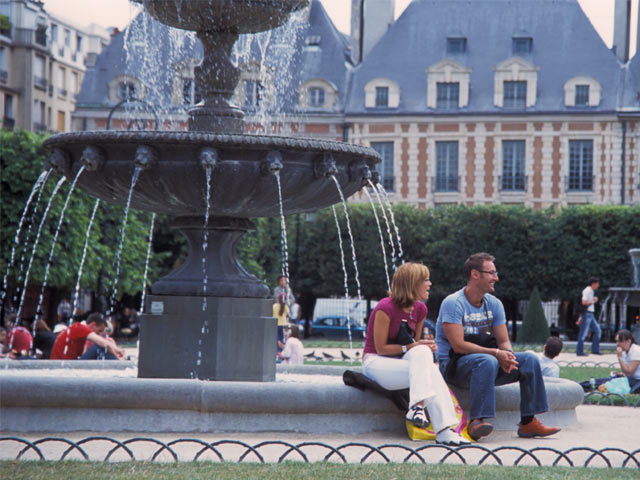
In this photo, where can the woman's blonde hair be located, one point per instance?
(405, 283)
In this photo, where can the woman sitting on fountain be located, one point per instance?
(395, 366)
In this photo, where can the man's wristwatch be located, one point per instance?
(404, 349)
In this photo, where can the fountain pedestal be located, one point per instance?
(233, 339)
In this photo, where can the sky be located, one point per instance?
(118, 13)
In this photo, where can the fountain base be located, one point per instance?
(233, 339)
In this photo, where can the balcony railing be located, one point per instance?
(8, 123)
(40, 83)
(62, 92)
(5, 32)
(39, 127)
(579, 183)
(4, 76)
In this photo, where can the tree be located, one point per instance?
(535, 328)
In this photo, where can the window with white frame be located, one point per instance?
(582, 95)
(513, 160)
(448, 96)
(515, 84)
(382, 97)
(580, 165)
(251, 93)
(447, 85)
(126, 90)
(582, 92)
(385, 168)
(515, 95)
(381, 93)
(190, 91)
(446, 167)
(315, 97)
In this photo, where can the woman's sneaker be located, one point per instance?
(451, 438)
(417, 416)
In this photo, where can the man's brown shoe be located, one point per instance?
(536, 429)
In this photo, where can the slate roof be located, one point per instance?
(565, 45)
(155, 67)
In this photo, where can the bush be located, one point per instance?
(535, 328)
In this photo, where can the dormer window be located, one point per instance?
(582, 92)
(456, 45)
(381, 93)
(515, 95)
(521, 45)
(582, 95)
(382, 97)
(251, 90)
(312, 41)
(126, 90)
(315, 97)
(448, 95)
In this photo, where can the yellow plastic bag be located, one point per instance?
(427, 433)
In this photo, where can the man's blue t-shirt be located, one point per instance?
(476, 319)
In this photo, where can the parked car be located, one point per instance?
(337, 326)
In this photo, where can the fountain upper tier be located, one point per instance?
(173, 180)
(223, 15)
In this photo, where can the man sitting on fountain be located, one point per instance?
(470, 321)
(70, 343)
(395, 362)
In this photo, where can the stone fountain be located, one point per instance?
(623, 296)
(234, 338)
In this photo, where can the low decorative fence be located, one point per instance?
(108, 449)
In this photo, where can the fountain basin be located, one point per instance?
(319, 404)
(173, 180)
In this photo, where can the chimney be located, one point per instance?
(622, 29)
(370, 20)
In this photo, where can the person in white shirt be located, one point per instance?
(550, 350)
(588, 319)
(292, 349)
(628, 356)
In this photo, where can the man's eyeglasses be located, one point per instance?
(493, 274)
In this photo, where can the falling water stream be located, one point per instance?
(384, 252)
(84, 256)
(386, 221)
(54, 242)
(35, 244)
(16, 241)
(205, 241)
(283, 232)
(381, 189)
(344, 270)
(134, 179)
(146, 263)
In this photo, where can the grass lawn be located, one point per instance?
(36, 470)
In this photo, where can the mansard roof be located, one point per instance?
(564, 45)
(133, 53)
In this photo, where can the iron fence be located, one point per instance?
(108, 449)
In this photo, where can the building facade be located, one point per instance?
(42, 64)
(491, 101)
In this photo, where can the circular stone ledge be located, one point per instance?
(6, 364)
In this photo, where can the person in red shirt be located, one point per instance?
(19, 341)
(69, 344)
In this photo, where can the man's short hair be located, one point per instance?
(97, 318)
(553, 347)
(593, 280)
(475, 262)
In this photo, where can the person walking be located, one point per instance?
(588, 321)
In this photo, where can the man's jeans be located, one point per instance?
(589, 323)
(480, 373)
(94, 352)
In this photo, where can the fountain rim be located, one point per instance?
(219, 139)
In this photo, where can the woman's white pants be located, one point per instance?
(417, 371)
